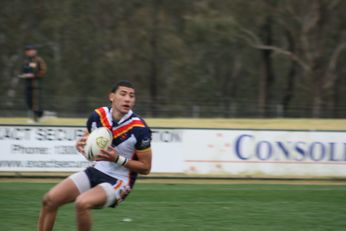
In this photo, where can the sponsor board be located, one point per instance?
(226, 152)
(31, 148)
(167, 151)
(249, 153)
(34, 148)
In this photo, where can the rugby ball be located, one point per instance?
(100, 138)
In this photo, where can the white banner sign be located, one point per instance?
(233, 153)
(33, 148)
(248, 153)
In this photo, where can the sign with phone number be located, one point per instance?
(223, 152)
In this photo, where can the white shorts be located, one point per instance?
(116, 190)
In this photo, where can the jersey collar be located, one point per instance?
(125, 117)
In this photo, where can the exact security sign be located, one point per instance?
(31, 148)
(41, 148)
(223, 152)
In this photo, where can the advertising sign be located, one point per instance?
(34, 148)
(30, 148)
(212, 152)
(262, 153)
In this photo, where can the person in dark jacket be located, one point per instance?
(33, 70)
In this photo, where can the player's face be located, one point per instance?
(123, 99)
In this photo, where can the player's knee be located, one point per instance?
(49, 202)
(82, 204)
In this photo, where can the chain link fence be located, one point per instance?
(70, 106)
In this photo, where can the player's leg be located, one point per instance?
(65, 192)
(103, 195)
(93, 198)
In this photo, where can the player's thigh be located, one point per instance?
(94, 198)
(64, 192)
(104, 195)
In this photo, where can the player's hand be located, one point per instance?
(109, 154)
(81, 143)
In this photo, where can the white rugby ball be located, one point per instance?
(100, 138)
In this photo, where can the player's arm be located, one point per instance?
(142, 162)
(91, 122)
(82, 141)
(141, 165)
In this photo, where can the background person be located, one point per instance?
(33, 70)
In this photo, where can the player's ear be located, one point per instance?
(111, 96)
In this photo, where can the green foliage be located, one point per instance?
(181, 54)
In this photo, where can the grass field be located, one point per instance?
(183, 205)
(178, 207)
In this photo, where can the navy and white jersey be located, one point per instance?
(131, 135)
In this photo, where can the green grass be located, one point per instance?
(176, 207)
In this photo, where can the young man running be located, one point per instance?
(113, 175)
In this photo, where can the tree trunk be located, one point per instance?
(316, 77)
(153, 76)
(267, 77)
(288, 92)
(336, 96)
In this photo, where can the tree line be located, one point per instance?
(202, 58)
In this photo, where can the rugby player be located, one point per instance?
(111, 178)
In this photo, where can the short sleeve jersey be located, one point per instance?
(130, 136)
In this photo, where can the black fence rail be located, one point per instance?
(66, 106)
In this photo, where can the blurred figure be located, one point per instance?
(33, 70)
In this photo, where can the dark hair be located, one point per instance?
(122, 83)
(31, 47)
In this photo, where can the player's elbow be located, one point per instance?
(146, 170)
